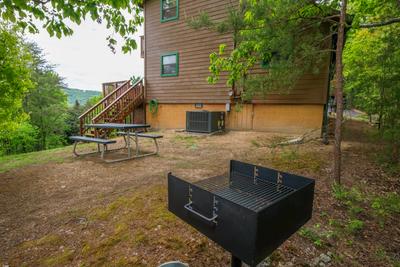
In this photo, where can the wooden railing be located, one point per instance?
(123, 105)
(109, 87)
(91, 113)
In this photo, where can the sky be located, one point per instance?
(84, 59)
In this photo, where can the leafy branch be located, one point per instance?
(121, 17)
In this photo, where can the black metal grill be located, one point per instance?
(245, 191)
(250, 212)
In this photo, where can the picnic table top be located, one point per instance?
(116, 126)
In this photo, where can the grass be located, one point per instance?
(184, 165)
(135, 221)
(40, 157)
(385, 206)
(190, 141)
(291, 159)
(354, 226)
(57, 155)
(255, 143)
(60, 258)
(311, 235)
(47, 240)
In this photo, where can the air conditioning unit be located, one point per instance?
(205, 121)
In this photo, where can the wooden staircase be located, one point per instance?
(115, 107)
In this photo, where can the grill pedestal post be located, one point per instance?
(235, 262)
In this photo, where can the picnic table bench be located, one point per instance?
(87, 139)
(142, 135)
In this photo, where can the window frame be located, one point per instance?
(176, 54)
(176, 17)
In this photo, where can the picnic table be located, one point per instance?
(128, 131)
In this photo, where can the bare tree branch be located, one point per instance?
(380, 24)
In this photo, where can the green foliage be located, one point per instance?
(354, 226)
(370, 11)
(92, 101)
(312, 235)
(121, 17)
(386, 205)
(18, 138)
(345, 195)
(72, 119)
(82, 96)
(288, 35)
(134, 79)
(10, 162)
(46, 104)
(372, 60)
(15, 75)
(153, 106)
(351, 198)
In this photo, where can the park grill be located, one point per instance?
(249, 212)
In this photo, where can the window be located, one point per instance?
(169, 10)
(170, 64)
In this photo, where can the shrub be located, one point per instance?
(18, 138)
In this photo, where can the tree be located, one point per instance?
(337, 154)
(121, 16)
(372, 59)
(286, 37)
(72, 118)
(15, 75)
(46, 104)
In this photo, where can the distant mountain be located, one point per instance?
(82, 96)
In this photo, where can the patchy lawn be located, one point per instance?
(59, 210)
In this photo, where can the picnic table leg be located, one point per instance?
(137, 144)
(74, 150)
(102, 152)
(157, 148)
(128, 143)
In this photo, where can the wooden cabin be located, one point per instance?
(176, 61)
(168, 38)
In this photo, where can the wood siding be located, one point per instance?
(194, 47)
(258, 117)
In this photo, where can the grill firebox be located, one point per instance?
(250, 212)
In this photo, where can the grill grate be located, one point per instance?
(254, 194)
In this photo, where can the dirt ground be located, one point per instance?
(84, 212)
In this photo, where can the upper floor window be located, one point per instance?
(169, 10)
(170, 64)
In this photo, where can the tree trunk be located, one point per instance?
(339, 94)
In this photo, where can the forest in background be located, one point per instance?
(80, 95)
(34, 113)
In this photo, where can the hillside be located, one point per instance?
(81, 95)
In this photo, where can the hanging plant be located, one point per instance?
(153, 106)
